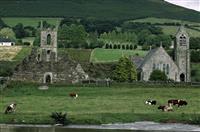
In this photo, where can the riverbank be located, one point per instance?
(98, 105)
(137, 126)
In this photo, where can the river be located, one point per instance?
(133, 127)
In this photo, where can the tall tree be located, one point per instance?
(125, 71)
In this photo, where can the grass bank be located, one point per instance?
(97, 105)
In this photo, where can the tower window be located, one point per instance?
(48, 39)
(183, 40)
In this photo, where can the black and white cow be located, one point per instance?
(151, 102)
(10, 108)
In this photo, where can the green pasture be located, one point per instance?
(172, 30)
(29, 21)
(97, 105)
(112, 55)
(79, 55)
(154, 20)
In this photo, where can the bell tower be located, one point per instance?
(182, 55)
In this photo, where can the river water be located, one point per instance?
(133, 127)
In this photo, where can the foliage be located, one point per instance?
(121, 38)
(7, 33)
(60, 118)
(158, 75)
(19, 31)
(195, 56)
(109, 9)
(72, 36)
(125, 71)
(195, 43)
(2, 24)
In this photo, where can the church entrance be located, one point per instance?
(48, 78)
(182, 77)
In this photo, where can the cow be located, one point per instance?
(10, 108)
(73, 95)
(150, 102)
(166, 108)
(177, 102)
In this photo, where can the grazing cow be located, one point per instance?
(10, 108)
(73, 95)
(166, 108)
(177, 102)
(151, 102)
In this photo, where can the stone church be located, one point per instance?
(45, 65)
(158, 59)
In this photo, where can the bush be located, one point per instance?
(60, 118)
(27, 43)
(158, 75)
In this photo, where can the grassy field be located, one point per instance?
(79, 55)
(107, 9)
(110, 55)
(29, 21)
(172, 30)
(154, 20)
(97, 105)
(10, 57)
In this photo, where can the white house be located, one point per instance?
(6, 42)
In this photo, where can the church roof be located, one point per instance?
(148, 56)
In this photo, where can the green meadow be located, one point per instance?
(113, 55)
(97, 105)
(29, 21)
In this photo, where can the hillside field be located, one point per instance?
(97, 105)
(112, 55)
(106, 9)
(29, 21)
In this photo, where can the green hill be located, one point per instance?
(100, 9)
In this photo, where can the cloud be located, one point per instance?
(191, 4)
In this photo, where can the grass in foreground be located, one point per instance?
(96, 105)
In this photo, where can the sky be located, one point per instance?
(191, 4)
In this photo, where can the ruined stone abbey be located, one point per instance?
(45, 65)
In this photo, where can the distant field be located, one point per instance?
(172, 30)
(80, 55)
(12, 21)
(112, 55)
(28, 39)
(8, 53)
(97, 105)
(153, 20)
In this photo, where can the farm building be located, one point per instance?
(158, 59)
(6, 42)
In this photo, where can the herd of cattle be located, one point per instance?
(12, 107)
(168, 107)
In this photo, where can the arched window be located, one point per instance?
(48, 39)
(167, 68)
(123, 47)
(107, 46)
(164, 68)
(154, 66)
(127, 47)
(119, 46)
(183, 40)
(115, 46)
(182, 77)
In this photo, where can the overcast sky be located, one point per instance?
(192, 4)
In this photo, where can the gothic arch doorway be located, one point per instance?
(182, 77)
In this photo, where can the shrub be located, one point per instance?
(158, 75)
(60, 118)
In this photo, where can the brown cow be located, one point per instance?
(166, 108)
(177, 102)
(73, 95)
